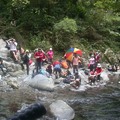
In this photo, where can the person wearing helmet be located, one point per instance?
(98, 71)
(50, 55)
(95, 74)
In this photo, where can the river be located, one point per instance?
(101, 103)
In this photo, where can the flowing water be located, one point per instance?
(98, 104)
(93, 104)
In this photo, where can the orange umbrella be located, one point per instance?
(69, 54)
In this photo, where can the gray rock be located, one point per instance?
(13, 83)
(12, 66)
(61, 110)
(17, 73)
(41, 82)
(57, 81)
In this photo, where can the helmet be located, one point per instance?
(50, 48)
(27, 51)
(99, 65)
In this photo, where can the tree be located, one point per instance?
(64, 32)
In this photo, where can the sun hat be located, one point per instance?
(99, 65)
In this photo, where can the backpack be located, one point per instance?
(25, 59)
(64, 64)
(68, 79)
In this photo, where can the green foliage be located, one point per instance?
(67, 25)
(19, 3)
(64, 30)
(105, 4)
(39, 42)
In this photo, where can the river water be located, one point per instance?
(93, 104)
(98, 104)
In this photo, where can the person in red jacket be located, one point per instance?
(95, 74)
(98, 71)
(39, 58)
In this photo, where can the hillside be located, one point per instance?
(86, 24)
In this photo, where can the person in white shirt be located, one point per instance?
(13, 48)
(92, 63)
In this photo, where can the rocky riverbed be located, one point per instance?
(97, 102)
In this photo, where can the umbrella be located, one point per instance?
(69, 54)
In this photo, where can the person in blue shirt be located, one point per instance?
(57, 70)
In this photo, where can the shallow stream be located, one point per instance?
(93, 104)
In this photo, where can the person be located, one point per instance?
(21, 50)
(13, 48)
(95, 74)
(97, 56)
(76, 81)
(69, 63)
(65, 73)
(35, 60)
(39, 58)
(68, 77)
(98, 71)
(50, 55)
(49, 68)
(80, 63)
(2, 66)
(75, 62)
(91, 63)
(113, 68)
(64, 64)
(57, 70)
(25, 60)
(45, 59)
(91, 77)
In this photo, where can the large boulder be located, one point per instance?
(61, 110)
(41, 82)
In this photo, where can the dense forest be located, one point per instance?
(87, 24)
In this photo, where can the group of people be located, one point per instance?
(40, 57)
(24, 57)
(94, 67)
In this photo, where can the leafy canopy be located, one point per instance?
(67, 24)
